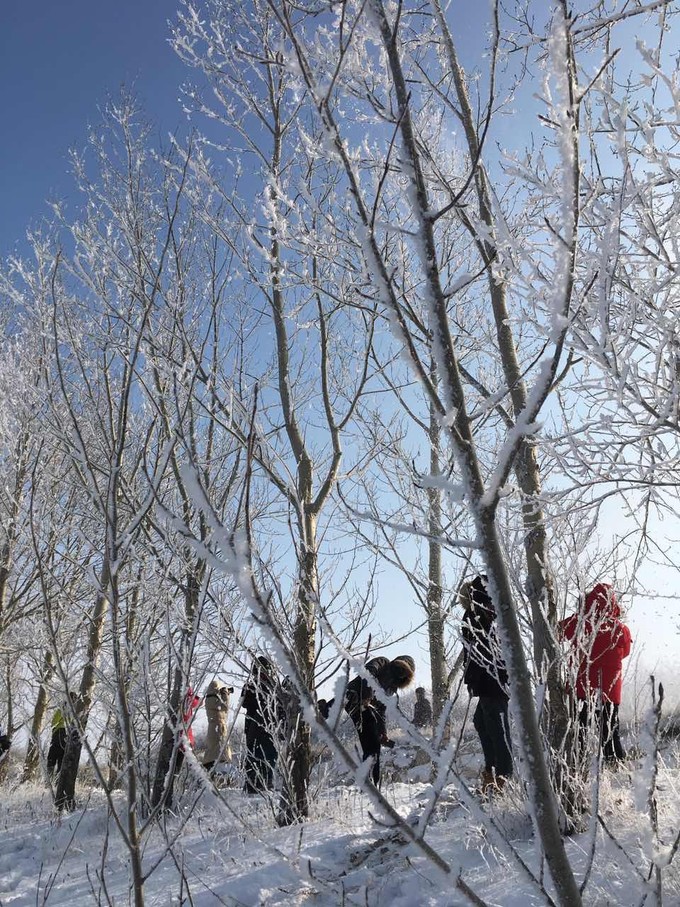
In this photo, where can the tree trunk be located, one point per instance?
(164, 776)
(65, 796)
(124, 667)
(127, 748)
(542, 800)
(116, 760)
(539, 588)
(32, 760)
(10, 698)
(556, 721)
(305, 653)
(4, 763)
(435, 614)
(163, 784)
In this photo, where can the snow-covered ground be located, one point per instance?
(225, 848)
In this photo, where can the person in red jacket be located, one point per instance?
(601, 642)
(189, 705)
(185, 735)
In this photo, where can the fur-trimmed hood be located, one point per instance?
(392, 675)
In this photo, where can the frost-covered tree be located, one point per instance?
(476, 259)
(625, 332)
(282, 229)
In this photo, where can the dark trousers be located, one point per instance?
(491, 723)
(608, 719)
(55, 754)
(371, 729)
(260, 761)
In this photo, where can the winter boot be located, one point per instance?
(491, 783)
(486, 781)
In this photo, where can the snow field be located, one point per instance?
(227, 849)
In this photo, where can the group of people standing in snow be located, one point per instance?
(598, 642)
(596, 639)
(272, 709)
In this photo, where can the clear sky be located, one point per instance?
(59, 62)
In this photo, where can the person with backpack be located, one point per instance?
(366, 709)
(599, 643)
(486, 678)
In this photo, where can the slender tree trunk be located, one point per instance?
(305, 625)
(65, 796)
(5, 558)
(4, 764)
(305, 652)
(124, 666)
(11, 526)
(164, 776)
(125, 735)
(32, 760)
(10, 697)
(539, 588)
(116, 759)
(542, 799)
(435, 612)
(163, 783)
(556, 720)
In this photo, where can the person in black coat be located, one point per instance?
(62, 728)
(261, 701)
(5, 743)
(367, 711)
(487, 678)
(422, 710)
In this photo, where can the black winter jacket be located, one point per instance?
(261, 700)
(422, 712)
(485, 673)
(359, 694)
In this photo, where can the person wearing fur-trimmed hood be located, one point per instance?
(367, 711)
(487, 678)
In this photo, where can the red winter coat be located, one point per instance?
(189, 706)
(601, 643)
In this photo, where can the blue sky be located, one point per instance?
(59, 62)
